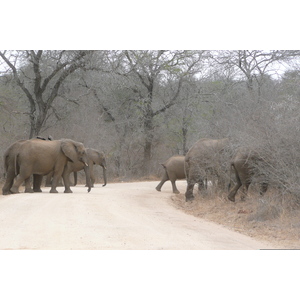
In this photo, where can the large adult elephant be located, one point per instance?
(39, 157)
(247, 166)
(12, 168)
(94, 158)
(204, 159)
(173, 170)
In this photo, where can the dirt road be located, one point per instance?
(118, 216)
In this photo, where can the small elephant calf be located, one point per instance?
(174, 169)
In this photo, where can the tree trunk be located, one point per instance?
(148, 131)
(184, 140)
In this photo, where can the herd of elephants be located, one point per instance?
(54, 158)
(206, 160)
(212, 159)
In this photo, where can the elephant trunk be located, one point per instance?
(88, 177)
(104, 176)
(75, 178)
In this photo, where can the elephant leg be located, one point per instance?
(189, 191)
(7, 186)
(233, 191)
(37, 182)
(159, 186)
(75, 178)
(24, 175)
(202, 188)
(53, 186)
(92, 176)
(202, 185)
(175, 190)
(66, 179)
(9, 182)
(19, 180)
(55, 180)
(88, 177)
(28, 188)
(92, 181)
(245, 190)
(48, 179)
(164, 179)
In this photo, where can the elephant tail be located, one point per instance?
(164, 166)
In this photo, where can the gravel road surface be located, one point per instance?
(118, 216)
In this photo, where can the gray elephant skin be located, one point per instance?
(205, 158)
(94, 158)
(247, 166)
(39, 157)
(173, 170)
(11, 168)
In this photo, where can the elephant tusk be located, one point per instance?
(86, 164)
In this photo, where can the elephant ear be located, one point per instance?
(69, 149)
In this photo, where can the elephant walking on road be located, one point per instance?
(39, 157)
(207, 157)
(174, 169)
(247, 168)
(94, 158)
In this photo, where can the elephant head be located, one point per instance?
(94, 158)
(75, 152)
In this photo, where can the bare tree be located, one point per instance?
(40, 75)
(186, 121)
(153, 71)
(254, 65)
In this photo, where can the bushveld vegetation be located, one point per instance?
(141, 107)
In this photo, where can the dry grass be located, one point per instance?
(270, 218)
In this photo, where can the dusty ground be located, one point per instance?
(259, 217)
(118, 216)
